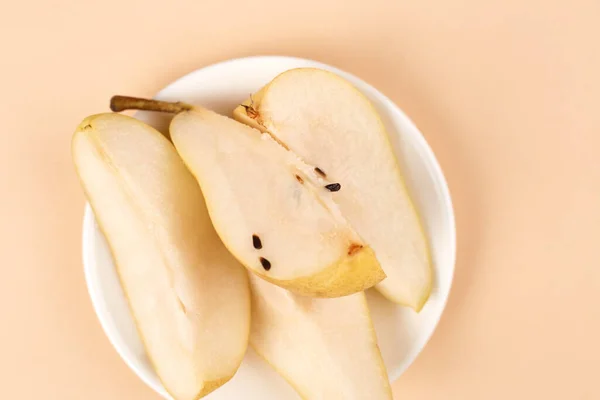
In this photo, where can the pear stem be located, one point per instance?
(122, 103)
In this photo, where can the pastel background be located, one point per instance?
(506, 92)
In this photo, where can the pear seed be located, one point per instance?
(333, 187)
(320, 172)
(256, 242)
(265, 263)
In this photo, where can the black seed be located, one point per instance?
(299, 179)
(333, 187)
(320, 172)
(265, 263)
(256, 242)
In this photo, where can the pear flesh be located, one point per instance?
(189, 297)
(325, 348)
(329, 124)
(272, 211)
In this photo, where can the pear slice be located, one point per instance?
(271, 211)
(189, 297)
(331, 125)
(325, 348)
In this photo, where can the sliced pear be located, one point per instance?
(189, 297)
(332, 126)
(325, 348)
(272, 211)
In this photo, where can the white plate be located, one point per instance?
(402, 333)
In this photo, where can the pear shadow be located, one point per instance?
(160, 121)
(442, 132)
(390, 321)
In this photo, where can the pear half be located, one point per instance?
(332, 126)
(189, 297)
(325, 348)
(274, 213)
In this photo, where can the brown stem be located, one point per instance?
(122, 103)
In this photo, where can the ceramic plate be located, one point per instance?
(402, 333)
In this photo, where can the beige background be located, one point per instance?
(506, 92)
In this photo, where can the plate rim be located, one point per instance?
(439, 177)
